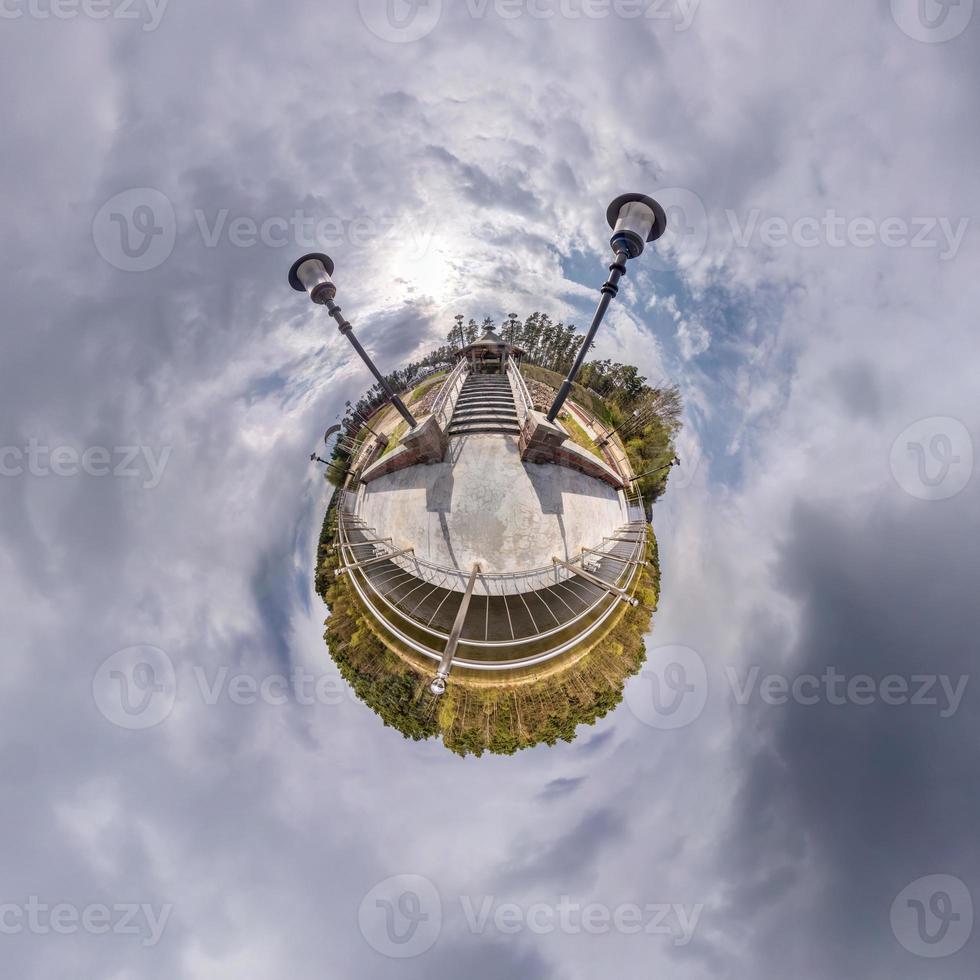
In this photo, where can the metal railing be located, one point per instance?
(522, 397)
(589, 620)
(488, 583)
(402, 624)
(445, 401)
(635, 506)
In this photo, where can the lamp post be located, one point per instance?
(635, 220)
(676, 460)
(317, 459)
(358, 417)
(311, 274)
(632, 418)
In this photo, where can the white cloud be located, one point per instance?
(265, 826)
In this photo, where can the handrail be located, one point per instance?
(522, 397)
(489, 583)
(442, 407)
(486, 665)
(442, 636)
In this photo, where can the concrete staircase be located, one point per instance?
(485, 404)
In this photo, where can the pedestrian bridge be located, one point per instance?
(471, 619)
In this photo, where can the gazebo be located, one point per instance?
(489, 354)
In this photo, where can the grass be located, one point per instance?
(395, 438)
(419, 393)
(579, 436)
(581, 395)
(476, 718)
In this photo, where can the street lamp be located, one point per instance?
(630, 419)
(312, 274)
(360, 418)
(635, 220)
(314, 458)
(676, 461)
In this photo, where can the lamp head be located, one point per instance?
(311, 273)
(438, 686)
(635, 220)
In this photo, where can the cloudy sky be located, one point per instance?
(810, 808)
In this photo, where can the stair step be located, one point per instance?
(487, 399)
(488, 413)
(487, 406)
(485, 427)
(485, 411)
(496, 419)
(475, 402)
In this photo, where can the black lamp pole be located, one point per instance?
(316, 459)
(358, 417)
(311, 273)
(622, 425)
(635, 219)
(666, 466)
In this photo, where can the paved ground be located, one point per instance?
(495, 617)
(484, 504)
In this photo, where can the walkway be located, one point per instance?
(484, 504)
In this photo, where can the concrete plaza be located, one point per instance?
(483, 504)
